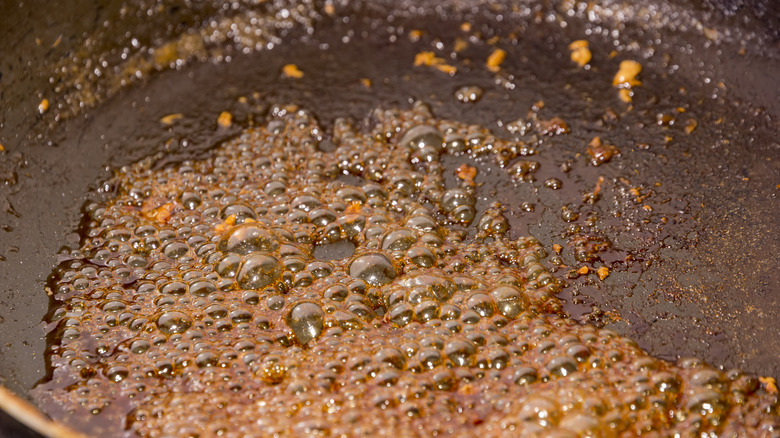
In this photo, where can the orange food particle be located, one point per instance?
(466, 173)
(770, 384)
(580, 53)
(647, 207)
(460, 45)
(225, 119)
(430, 59)
(557, 248)
(626, 75)
(366, 82)
(330, 9)
(583, 270)
(424, 58)
(600, 181)
(600, 152)
(495, 59)
(415, 35)
(354, 207)
(465, 26)
(170, 118)
(43, 106)
(446, 68)
(162, 214)
(2, 148)
(625, 95)
(691, 125)
(292, 71)
(229, 222)
(626, 78)
(554, 126)
(603, 272)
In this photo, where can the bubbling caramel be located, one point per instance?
(217, 319)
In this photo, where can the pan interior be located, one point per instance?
(686, 217)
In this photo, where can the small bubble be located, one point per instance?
(259, 270)
(306, 321)
(247, 238)
(241, 212)
(469, 94)
(374, 268)
(171, 322)
(421, 136)
(553, 183)
(461, 352)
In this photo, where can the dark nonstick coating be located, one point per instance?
(707, 287)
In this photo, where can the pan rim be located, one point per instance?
(31, 417)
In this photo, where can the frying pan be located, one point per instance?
(704, 285)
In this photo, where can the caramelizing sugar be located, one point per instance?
(285, 288)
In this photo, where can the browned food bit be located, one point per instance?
(495, 60)
(600, 152)
(523, 170)
(170, 118)
(43, 106)
(580, 53)
(603, 273)
(553, 126)
(466, 173)
(626, 76)
(595, 195)
(292, 71)
(329, 9)
(691, 125)
(664, 119)
(223, 226)
(225, 119)
(626, 79)
(769, 383)
(254, 292)
(429, 59)
(161, 214)
(460, 45)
